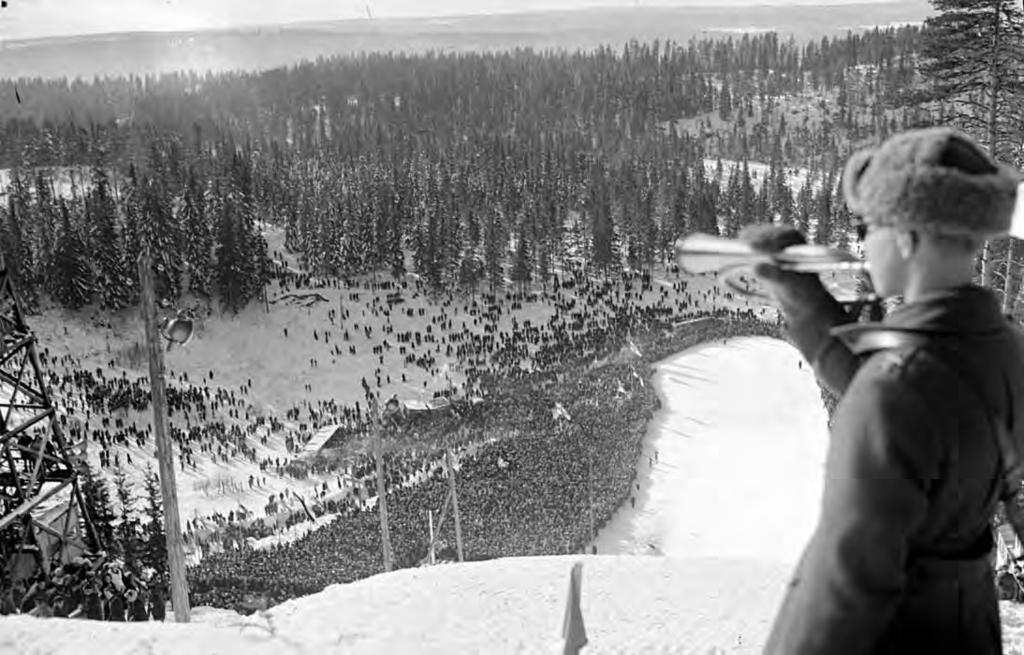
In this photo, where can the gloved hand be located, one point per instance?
(810, 311)
(799, 295)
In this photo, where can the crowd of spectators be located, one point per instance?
(92, 586)
(523, 493)
(522, 474)
(237, 530)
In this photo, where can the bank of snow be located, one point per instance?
(630, 605)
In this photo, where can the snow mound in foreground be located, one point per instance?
(515, 605)
(631, 605)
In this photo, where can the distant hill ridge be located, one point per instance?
(256, 48)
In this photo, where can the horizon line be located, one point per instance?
(821, 4)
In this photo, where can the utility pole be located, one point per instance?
(430, 524)
(455, 503)
(164, 451)
(590, 493)
(382, 501)
(590, 477)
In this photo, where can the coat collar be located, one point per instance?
(968, 310)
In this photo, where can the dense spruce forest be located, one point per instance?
(466, 169)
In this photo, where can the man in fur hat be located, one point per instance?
(931, 414)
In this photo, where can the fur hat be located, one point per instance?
(934, 179)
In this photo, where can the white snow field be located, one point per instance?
(740, 442)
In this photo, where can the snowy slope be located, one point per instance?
(67, 180)
(795, 177)
(630, 605)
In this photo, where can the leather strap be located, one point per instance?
(864, 339)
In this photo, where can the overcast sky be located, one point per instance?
(36, 18)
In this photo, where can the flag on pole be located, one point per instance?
(573, 631)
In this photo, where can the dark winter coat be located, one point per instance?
(93, 607)
(62, 606)
(7, 604)
(116, 608)
(158, 603)
(140, 607)
(76, 599)
(900, 561)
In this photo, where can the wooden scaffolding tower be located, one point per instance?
(42, 509)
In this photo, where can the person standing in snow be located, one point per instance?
(158, 600)
(93, 602)
(7, 604)
(115, 605)
(900, 561)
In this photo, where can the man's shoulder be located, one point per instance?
(884, 385)
(897, 366)
(909, 376)
(933, 371)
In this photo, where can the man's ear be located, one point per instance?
(907, 242)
